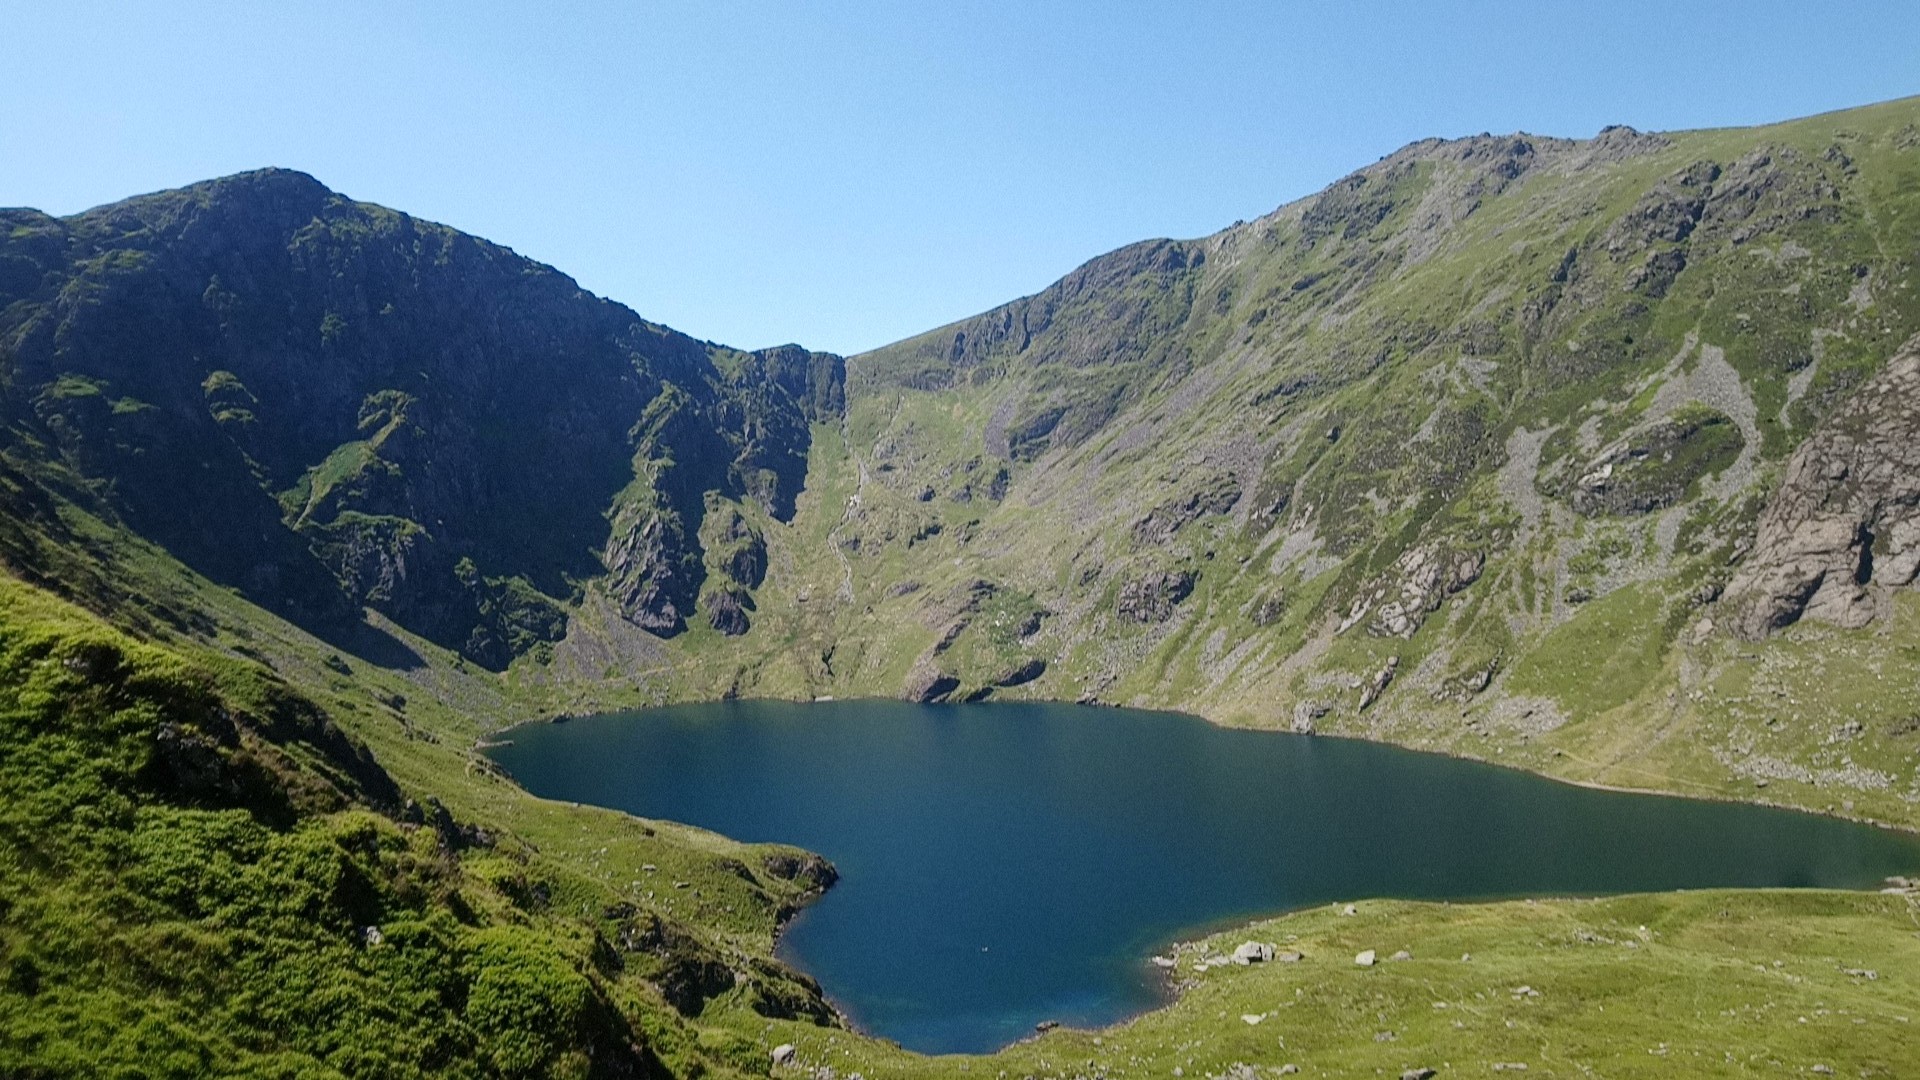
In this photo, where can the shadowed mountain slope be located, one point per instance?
(327, 404)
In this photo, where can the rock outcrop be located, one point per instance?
(1652, 468)
(1152, 598)
(1252, 952)
(928, 684)
(1022, 673)
(1377, 685)
(1844, 526)
(726, 612)
(803, 868)
(1214, 495)
(1421, 578)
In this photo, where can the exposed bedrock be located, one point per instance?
(1844, 527)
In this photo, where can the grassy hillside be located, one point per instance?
(1461, 453)
(248, 855)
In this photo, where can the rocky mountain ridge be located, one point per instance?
(328, 404)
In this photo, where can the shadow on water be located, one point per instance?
(1002, 864)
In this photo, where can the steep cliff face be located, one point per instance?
(1843, 529)
(329, 404)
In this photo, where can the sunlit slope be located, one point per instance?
(1462, 453)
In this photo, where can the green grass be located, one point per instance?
(345, 465)
(224, 926)
(1600, 659)
(156, 920)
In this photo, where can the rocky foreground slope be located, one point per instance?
(1588, 456)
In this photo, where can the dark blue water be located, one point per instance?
(1002, 864)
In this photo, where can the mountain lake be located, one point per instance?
(1003, 864)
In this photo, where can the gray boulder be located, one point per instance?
(1253, 952)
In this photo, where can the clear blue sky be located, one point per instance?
(845, 174)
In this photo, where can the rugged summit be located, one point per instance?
(327, 404)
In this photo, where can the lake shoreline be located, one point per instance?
(488, 741)
(766, 770)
